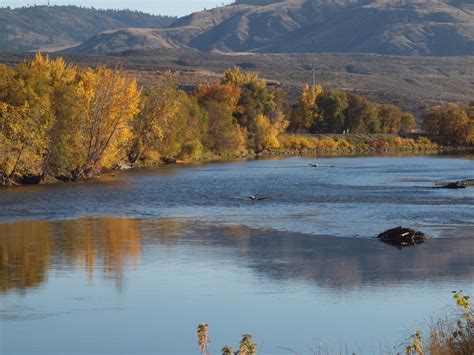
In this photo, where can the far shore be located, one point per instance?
(275, 153)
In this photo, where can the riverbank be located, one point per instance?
(334, 145)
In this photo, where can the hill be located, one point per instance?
(395, 27)
(54, 27)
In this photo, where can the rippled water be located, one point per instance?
(344, 197)
(132, 263)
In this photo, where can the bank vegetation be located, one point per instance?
(62, 122)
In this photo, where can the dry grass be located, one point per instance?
(353, 143)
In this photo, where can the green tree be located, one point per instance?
(255, 98)
(361, 115)
(332, 105)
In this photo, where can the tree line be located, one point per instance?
(58, 120)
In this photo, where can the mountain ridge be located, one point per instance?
(43, 27)
(403, 27)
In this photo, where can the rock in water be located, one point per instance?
(458, 184)
(402, 237)
(166, 160)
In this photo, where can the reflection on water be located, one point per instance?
(28, 249)
(172, 274)
(26, 252)
(109, 246)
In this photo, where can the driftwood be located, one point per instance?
(255, 198)
(402, 237)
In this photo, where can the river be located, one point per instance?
(131, 263)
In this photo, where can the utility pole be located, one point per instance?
(313, 69)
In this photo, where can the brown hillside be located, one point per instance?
(400, 27)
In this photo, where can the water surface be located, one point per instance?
(132, 263)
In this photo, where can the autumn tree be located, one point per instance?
(407, 123)
(390, 117)
(25, 96)
(158, 108)
(21, 143)
(185, 132)
(62, 137)
(305, 113)
(451, 124)
(470, 110)
(265, 133)
(220, 100)
(255, 98)
(225, 93)
(109, 102)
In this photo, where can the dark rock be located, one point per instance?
(458, 184)
(29, 179)
(402, 237)
(454, 185)
(168, 160)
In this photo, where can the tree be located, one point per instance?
(185, 132)
(390, 118)
(158, 107)
(451, 124)
(255, 98)
(265, 133)
(407, 123)
(109, 102)
(220, 101)
(332, 105)
(224, 93)
(361, 115)
(22, 142)
(63, 140)
(305, 112)
(224, 134)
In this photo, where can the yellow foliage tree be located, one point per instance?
(306, 111)
(224, 93)
(265, 133)
(451, 124)
(109, 102)
(159, 106)
(22, 142)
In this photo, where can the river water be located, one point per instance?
(132, 263)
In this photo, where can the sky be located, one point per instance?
(159, 7)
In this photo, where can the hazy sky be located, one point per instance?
(164, 7)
